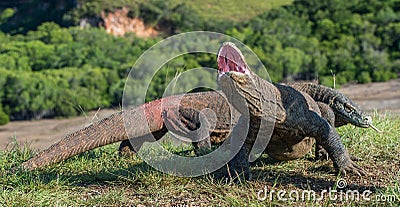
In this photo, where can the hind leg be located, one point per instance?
(192, 124)
(131, 146)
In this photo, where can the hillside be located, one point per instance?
(28, 14)
(237, 11)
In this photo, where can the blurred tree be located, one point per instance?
(4, 119)
(6, 14)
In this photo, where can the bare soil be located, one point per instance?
(383, 96)
(43, 133)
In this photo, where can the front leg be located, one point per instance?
(328, 114)
(239, 166)
(327, 136)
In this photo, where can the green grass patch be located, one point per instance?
(237, 11)
(102, 177)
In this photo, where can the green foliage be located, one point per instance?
(178, 15)
(6, 14)
(356, 40)
(58, 71)
(51, 33)
(57, 92)
(4, 118)
(364, 77)
(27, 15)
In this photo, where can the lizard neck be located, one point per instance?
(317, 92)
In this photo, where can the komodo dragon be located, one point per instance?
(338, 113)
(111, 129)
(294, 114)
(160, 113)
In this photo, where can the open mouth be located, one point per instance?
(230, 59)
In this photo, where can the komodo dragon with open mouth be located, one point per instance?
(294, 114)
(160, 113)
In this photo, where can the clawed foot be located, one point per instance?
(352, 168)
(233, 172)
(238, 169)
(354, 158)
(322, 154)
(126, 153)
(238, 175)
(126, 149)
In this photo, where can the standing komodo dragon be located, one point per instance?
(162, 112)
(338, 113)
(294, 114)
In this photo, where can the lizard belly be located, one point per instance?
(288, 146)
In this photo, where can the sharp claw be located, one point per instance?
(357, 172)
(354, 169)
(354, 158)
(360, 170)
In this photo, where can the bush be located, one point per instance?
(364, 77)
(4, 118)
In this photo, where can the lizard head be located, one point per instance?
(235, 78)
(348, 112)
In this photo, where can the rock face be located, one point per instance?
(119, 23)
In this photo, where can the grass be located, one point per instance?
(208, 10)
(102, 177)
(237, 11)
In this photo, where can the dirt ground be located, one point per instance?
(43, 133)
(383, 96)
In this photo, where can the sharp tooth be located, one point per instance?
(220, 75)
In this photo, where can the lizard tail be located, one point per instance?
(115, 128)
(106, 131)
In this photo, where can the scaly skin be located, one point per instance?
(345, 110)
(295, 114)
(336, 108)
